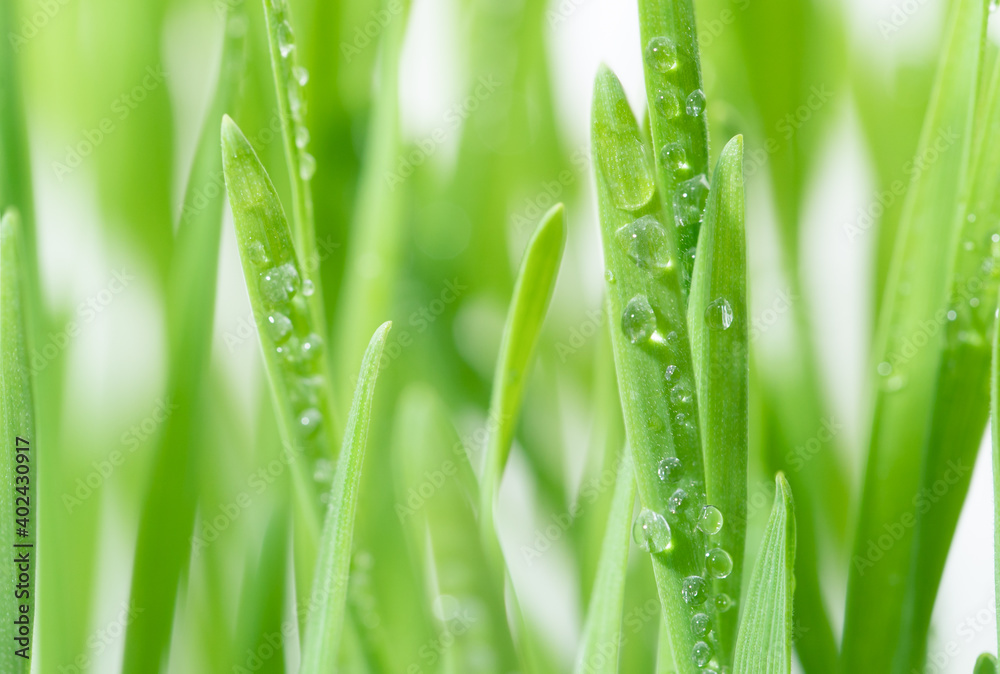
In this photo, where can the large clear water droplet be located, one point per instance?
(669, 469)
(719, 314)
(680, 395)
(651, 531)
(690, 200)
(700, 624)
(674, 157)
(645, 241)
(279, 327)
(723, 602)
(694, 590)
(638, 320)
(286, 39)
(667, 102)
(309, 421)
(279, 284)
(701, 654)
(711, 520)
(719, 563)
(695, 103)
(661, 54)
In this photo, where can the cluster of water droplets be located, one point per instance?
(296, 90)
(288, 325)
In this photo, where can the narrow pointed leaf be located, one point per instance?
(718, 320)
(649, 337)
(603, 631)
(325, 622)
(986, 664)
(904, 374)
(18, 471)
(764, 644)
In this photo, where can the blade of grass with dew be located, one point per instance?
(528, 307)
(717, 319)
(325, 620)
(960, 409)
(18, 472)
(290, 80)
(293, 351)
(376, 229)
(15, 174)
(167, 516)
(676, 100)
(764, 644)
(444, 535)
(916, 294)
(602, 633)
(650, 341)
(986, 664)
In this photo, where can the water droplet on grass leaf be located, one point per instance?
(638, 320)
(694, 590)
(669, 469)
(690, 200)
(719, 563)
(695, 104)
(719, 314)
(645, 241)
(711, 520)
(701, 653)
(286, 39)
(661, 54)
(651, 531)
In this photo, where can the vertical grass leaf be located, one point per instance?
(718, 320)
(18, 473)
(764, 643)
(986, 664)
(603, 631)
(652, 355)
(325, 621)
(904, 375)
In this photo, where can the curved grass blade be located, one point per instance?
(444, 534)
(764, 644)
(167, 519)
(717, 318)
(20, 455)
(653, 359)
(986, 664)
(603, 631)
(677, 116)
(325, 621)
(529, 305)
(917, 292)
(962, 397)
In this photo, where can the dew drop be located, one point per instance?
(286, 39)
(308, 288)
(311, 346)
(651, 531)
(701, 654)
(700, 624)
(638, 320)
(661, 54)
(309, 421)
(279, 284)
(723, 602)
(680, 395)
(301, 75)
(694, 590)
(645, 241)
(690, 200)
(674, 157)
(323, 470)
(695, 104)
(711, 520)
(257, 253)
(307, 166)
(279, 327)
(676, 501)
(670, 372)
(719, 314)
(301, 136)
(669, 469)
(667, 102)
(719, 563)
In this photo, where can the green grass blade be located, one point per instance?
(986, 664)
(528, 307)
(444, 534)
(653, 359)
(764, 644)
(995, 439)
(717, 318)
(603, 631)
(962, 397)
(167, 517)
(15, 173)
(18, 473)
(677, 119)
(916, 295)
(329, 595)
